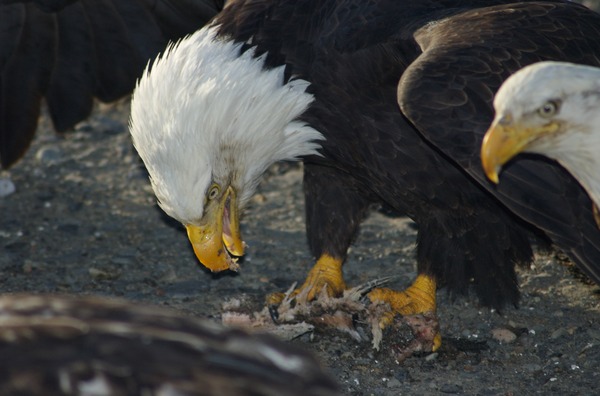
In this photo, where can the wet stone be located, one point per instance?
(393, 383)
(122, 260)
(49, 155)
(532, 367)
(7, 187)
(504, 336)
(102, 274)
(561, 332)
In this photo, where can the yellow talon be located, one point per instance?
(326, 273)
(418, 298)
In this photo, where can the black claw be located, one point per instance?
(365, 288)
(274, 313)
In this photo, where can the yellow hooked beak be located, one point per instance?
(505, 139)
(219, 237)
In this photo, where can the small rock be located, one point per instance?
(7, 187)
(49, 155)
(532, 367)
(122, 260)
(99, 274)
(393, 383)
(503, 335)
(514, 325)
(347, 355)
(558, 333)
(526, 341)
(27, 266)
(431, 357)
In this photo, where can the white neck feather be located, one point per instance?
(580, 156)
(206, 113)
(576, 146)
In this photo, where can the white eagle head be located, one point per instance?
(208, 120)
(553, 109)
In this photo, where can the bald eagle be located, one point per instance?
(61, 345)
(385, 102)
(552, 109)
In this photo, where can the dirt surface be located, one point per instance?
(83, 220)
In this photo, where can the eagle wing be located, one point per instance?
(70, 52)
(447, 94)
(66, 344)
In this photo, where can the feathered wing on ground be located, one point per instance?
(90, 345)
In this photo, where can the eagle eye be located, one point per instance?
(213, 192)
(549, 108)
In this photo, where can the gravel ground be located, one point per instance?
(83, 220)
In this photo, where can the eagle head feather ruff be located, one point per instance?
(227, 122)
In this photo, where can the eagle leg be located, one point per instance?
(417, 299)
(325, 274)
(335, 207)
